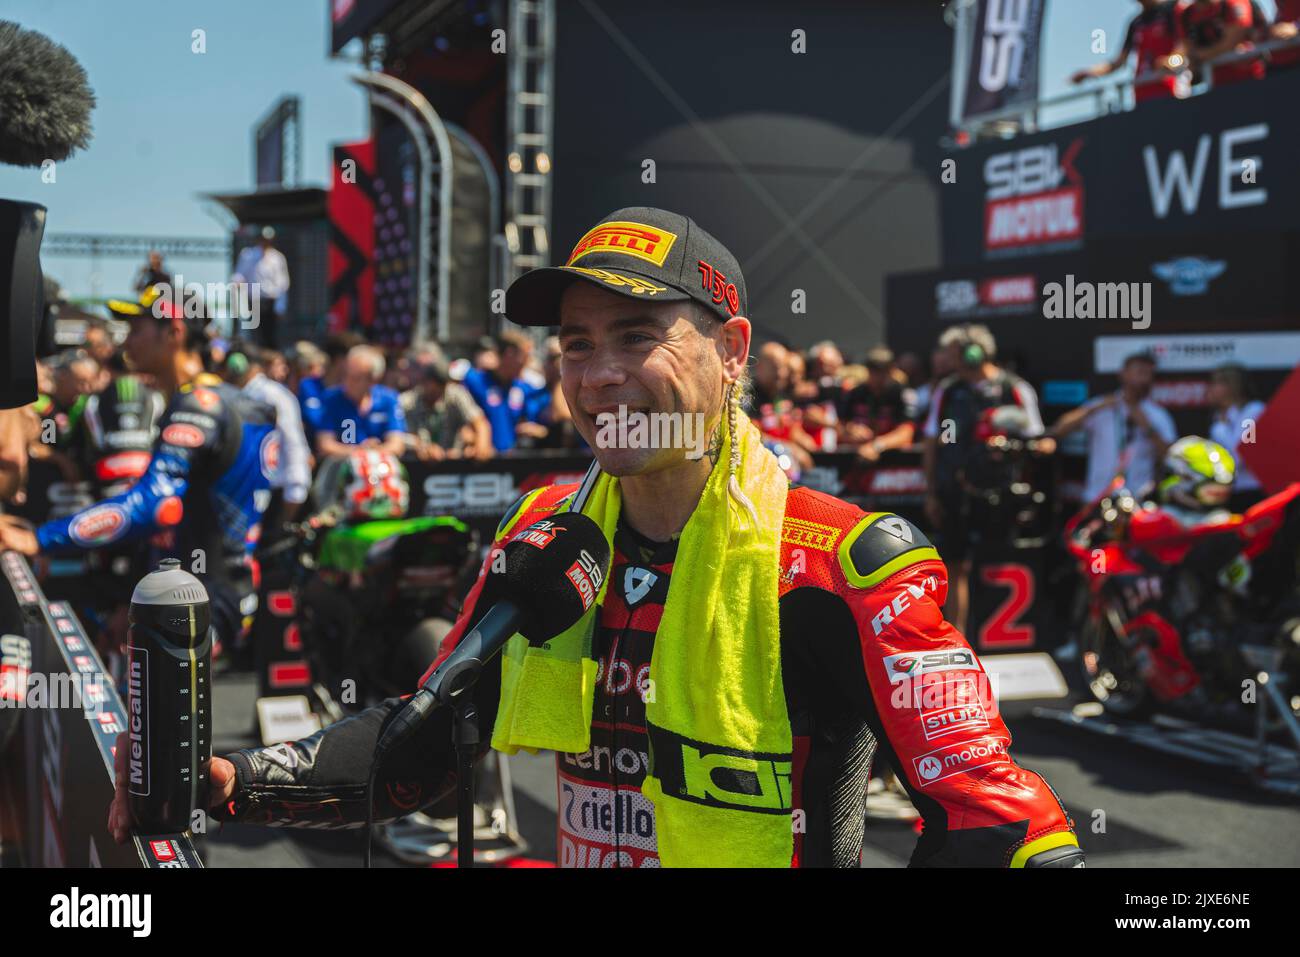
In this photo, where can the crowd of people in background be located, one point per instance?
(501, 398)
(1174, 40)
(504, 397)
(965, 395)
(817, 402)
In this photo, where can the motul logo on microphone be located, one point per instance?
(582, 582)
(536, 538)
(539, 534)
(586, 576)
(138, 722)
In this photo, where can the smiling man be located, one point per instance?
(753, 647)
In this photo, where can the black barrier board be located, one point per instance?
(479, 493)
(1206, 301)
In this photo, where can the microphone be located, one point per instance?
(45, 104)
(554, 570)
(45, 99)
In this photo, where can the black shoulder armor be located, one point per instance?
(880, 545)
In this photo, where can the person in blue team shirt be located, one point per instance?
(311, 387)
(306, 367)
(505, 397)
(359, 411)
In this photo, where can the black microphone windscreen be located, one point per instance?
(554, 570)
(45, 99)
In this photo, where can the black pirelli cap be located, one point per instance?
(642, 253)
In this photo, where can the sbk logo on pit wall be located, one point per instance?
(481, 493)
(965, 297)
(1033, 197)
(484, 493)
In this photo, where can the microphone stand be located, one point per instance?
(465, 733)
(451, 689)
(466, 739)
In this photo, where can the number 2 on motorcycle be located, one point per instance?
(1003, 628)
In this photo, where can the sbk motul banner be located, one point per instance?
(1004, 55)
(1148, 177)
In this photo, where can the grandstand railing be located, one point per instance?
(1110, 94)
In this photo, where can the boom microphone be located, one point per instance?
(45, 99)
(553, 572)
(45, 104)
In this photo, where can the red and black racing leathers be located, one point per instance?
(869, 665)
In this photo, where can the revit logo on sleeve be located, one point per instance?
(897, 527)
(1190, 275)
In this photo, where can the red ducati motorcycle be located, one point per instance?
(1185, 618)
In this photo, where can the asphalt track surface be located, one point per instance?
(1131, 807)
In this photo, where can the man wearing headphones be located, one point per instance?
(954, 450)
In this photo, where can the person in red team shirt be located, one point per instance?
(1286, 26)
(1211, 28)
(1153, 36)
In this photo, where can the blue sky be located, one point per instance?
(171, 124)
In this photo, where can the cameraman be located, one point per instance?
(955, 456)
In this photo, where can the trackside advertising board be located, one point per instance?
(1218, 163)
